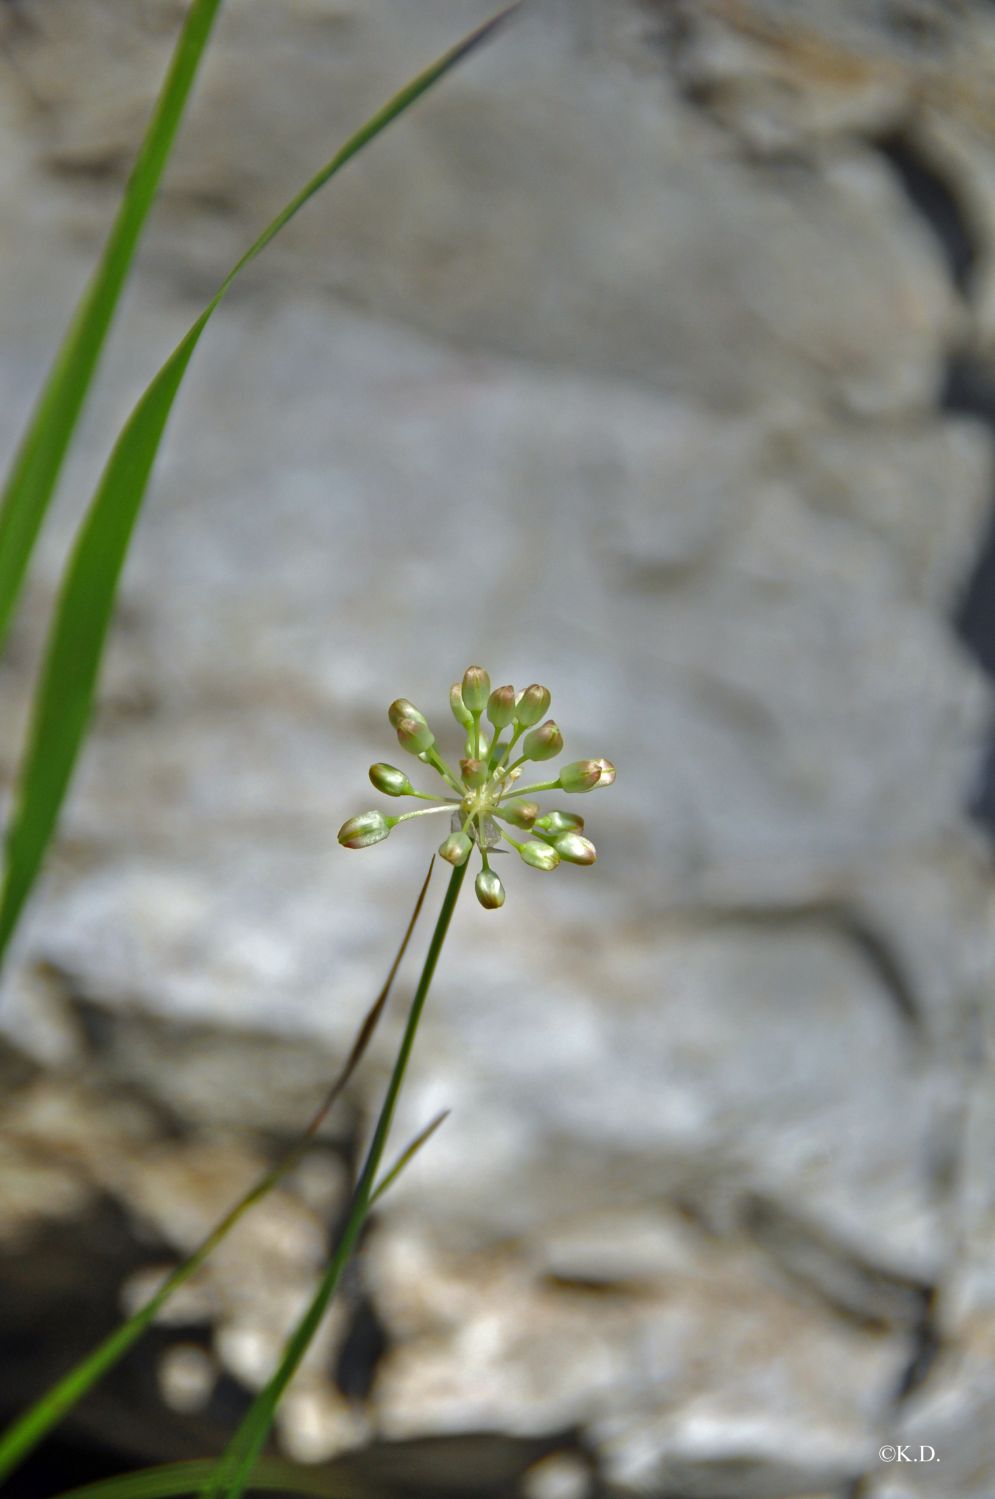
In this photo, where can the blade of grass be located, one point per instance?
(407, 1156)
(63, 701)
(169, 1479)
(20, 1438)
(39, 458)
(235, 1465)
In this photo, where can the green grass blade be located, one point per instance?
(43, 448)
(407, 1156)
(18, 1440)
(233, 1472)
(171, 1479)
(64, 698)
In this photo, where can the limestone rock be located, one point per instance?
(618, 365)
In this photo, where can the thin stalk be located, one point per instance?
(517, 733)
(374, 1155)
(424, 812)
(539, 786)
(407, 1156)
(235, 1466)
(436, 760)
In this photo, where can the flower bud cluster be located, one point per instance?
(503, 731)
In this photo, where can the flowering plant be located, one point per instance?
(487, 790)
(484, 800)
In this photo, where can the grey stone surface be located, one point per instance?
(617, 365)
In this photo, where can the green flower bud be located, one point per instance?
(476, 688)
(543, 743)
(581, 775)
(501, 707)
(413, 736)
(519, 814)
(474, 773)
(560, 822)
(532, 704)
(456, 848)
(607, 777)
(401, 708)
(539, 855)
(479, 812)
(367, 828)
(461, 712)
(490, 891)
(389, 780)
(575, 849)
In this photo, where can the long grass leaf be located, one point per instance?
(39, 458)
(18, 1440)
(63, 701)
(169, 1479)
(407, 1156)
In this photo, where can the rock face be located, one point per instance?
(626, 363)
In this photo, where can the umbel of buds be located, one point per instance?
(503, 730)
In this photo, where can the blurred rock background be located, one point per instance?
(652, 357)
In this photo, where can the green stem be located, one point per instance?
(235, 1466)
(437, 762)
(371, 1165)
(407, 1155)
(423, 812)
(516, 734)
(539, 786)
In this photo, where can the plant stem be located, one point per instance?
(235, 1466)
(364, 1187)
(506, 750)
(437, 762)
(539, 786)
(425, 812)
